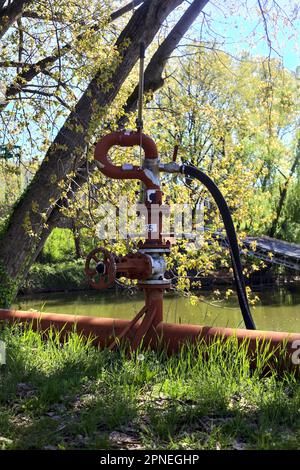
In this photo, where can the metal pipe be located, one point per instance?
(166, 335)
(127, 170)
(139, 120)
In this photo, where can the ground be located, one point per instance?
(73, 396)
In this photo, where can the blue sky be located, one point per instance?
(238, 26)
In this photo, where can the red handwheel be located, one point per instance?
(100, 268)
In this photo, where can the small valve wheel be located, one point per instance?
(100, 268)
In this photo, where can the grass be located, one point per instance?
(73, 396)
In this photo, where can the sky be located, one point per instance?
(238, 26)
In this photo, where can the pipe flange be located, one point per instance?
(161, 282)
(154, 250)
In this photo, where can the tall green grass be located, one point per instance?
(71, 395)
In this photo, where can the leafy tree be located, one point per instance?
(69, 74)
(216, 108)
(99, 64)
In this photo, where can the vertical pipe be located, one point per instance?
(154, 300)
(139, 121)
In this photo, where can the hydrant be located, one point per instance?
(148, 264)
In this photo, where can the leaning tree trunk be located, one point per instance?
(284, 192)
(153, 81)
(20, 241)
(10, 14)
(77, 238)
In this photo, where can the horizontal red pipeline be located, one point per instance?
(171, 336)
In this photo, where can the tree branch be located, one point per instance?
(65, 153)
(153, 74)
(122, 11)
(10, 14)
(153, 82)
(32, 70)
(284, 192)
(12, 63)
(115, 15)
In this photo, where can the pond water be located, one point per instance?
(278, 309)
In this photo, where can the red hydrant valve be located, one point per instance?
(147, 265)
(100, 268)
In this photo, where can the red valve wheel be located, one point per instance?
(100, 268)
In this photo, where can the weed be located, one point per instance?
(68, 394)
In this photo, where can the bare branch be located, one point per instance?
(10, 14)
(265, 23)
(153, 72)
(114, 16)
(12, 63)
(49, 95)
(122, 11)
(32, 70)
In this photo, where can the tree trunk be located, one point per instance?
(10, 14)
(34, 69)
(77, 240)
(283, 193)
(20, 242)
(153, 81)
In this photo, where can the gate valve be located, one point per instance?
(101, 273)
(135, 266)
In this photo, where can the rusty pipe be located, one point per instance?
(126, 171)
(134, 266)
(167, 335)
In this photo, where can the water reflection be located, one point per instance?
(278, 309)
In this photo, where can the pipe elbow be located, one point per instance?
(125, 139)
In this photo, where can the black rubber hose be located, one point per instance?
(193, 172)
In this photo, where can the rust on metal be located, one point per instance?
(169, 336)
(100, 279)
(127, 171)
(146, 265)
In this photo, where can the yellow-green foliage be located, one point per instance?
(230, 118)
(8, 288)
(59, 246)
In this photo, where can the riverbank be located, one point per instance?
(55, 277)
(69, 276)
(73, 396)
